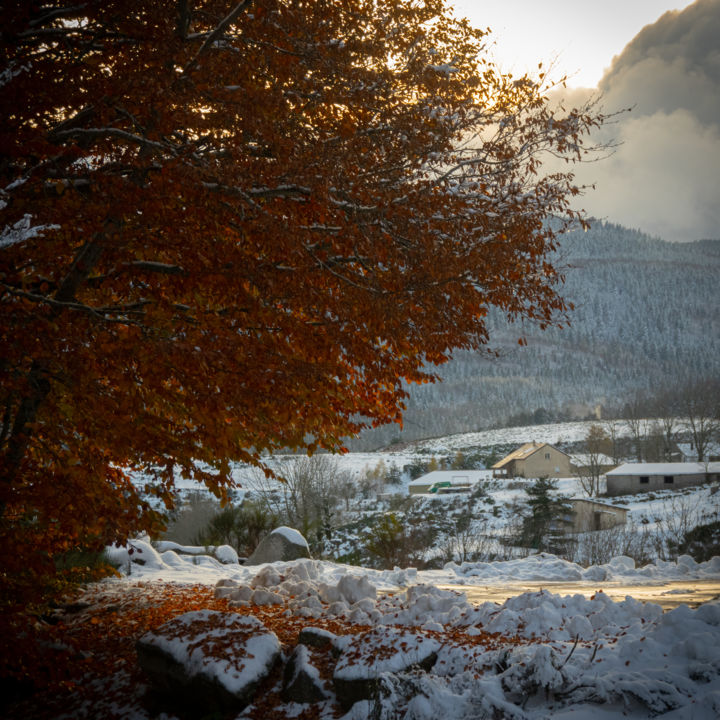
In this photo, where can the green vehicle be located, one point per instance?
(445, 486)
(435, 487)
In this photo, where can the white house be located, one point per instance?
(641, 477)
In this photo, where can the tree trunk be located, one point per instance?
(38, 377)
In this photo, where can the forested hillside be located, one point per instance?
(647, 316)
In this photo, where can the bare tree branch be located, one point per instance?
(216, 33)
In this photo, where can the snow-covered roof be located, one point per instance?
(585, 460)
(456, 477)
(688, 450)
(665, 469)
(595, 501)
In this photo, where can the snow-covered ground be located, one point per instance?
(192, 567)
(573, 654)
(554, 433)
(568, 656)
(654, 519)
(357, 463)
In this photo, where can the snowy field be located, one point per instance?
(572, 656)
(358, 462)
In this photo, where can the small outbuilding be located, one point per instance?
(534, 460)
(447, 481)
(633, 478)
(588, 515)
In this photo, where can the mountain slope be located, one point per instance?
(647, 315)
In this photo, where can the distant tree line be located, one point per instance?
(658, 419)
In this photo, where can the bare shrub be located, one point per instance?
(310, 497)
(464, 542)
(241, 526)
(682, 514)
(601, 546)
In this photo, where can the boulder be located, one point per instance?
(206, 662)
(301, 680)
(226, 554)
(316, 637)
(261, 596)
(371, 654)
(282, 544)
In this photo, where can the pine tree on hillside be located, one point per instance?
(540, 526)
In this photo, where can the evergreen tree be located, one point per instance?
(539, 528)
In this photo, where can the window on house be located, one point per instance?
(644, 480)
(669, 479)
(547, 456)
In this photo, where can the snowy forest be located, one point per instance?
(646, 316)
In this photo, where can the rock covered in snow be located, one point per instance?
(281, 545)
(241, 596)
(138, 551)
(225, 587)
(369, 655)
(223, 553)
(207, 661)
(266, 578)
(226, 554)
(301, 680)
(261, 596)
(168, 555)
(316, 637)
(354, 588)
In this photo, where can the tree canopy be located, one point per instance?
(231, 228)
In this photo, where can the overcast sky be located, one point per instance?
(658, 56)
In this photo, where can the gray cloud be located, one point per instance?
(665, 176)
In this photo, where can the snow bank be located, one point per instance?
(182, 563)
(548, 568)
(536, 655)
(587, 659)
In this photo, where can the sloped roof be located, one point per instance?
(523, 452)
(692, 468)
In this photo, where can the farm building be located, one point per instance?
(534, 460)
(641, 477)
(588, 515)
(458, 481)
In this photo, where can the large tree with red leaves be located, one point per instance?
(235, 228)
